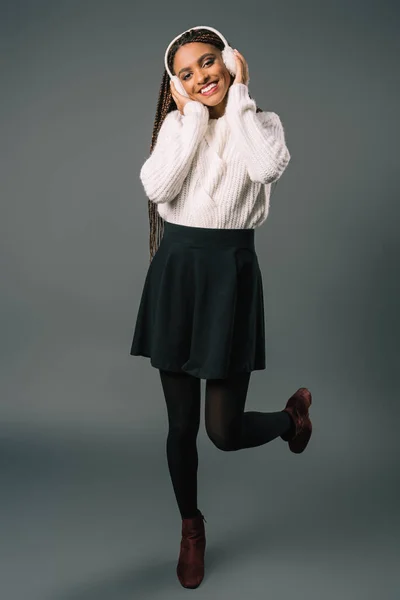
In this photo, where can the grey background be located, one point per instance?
(87, 506)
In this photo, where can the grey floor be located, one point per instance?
(95, 519)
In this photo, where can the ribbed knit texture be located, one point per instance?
(216, 173)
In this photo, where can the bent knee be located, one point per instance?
(223, 443)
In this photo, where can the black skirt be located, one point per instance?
(202, 305)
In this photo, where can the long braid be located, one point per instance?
(165, 105)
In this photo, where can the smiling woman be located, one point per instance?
(212, 83)
(208, 179)
(188, 63)
(202, 70)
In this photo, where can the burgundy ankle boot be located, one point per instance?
(190, 568)
(297, 406)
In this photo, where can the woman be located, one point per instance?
(208, 179)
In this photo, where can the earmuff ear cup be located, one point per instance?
(228, 56)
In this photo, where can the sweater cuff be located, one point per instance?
(238, 95)
(193, 107)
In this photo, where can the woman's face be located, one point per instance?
(198, 64)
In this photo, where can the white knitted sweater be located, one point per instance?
(216, 173)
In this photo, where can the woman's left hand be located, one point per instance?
(242, 69)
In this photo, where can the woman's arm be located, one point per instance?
(164, 172)
(259, 137)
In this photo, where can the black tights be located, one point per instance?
(227, 425)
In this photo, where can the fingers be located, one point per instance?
(172, 90)
(243, 64)
(174, 93)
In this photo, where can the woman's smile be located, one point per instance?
(213, 89)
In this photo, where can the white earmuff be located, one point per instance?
(228, 56)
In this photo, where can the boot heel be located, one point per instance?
(298, 406)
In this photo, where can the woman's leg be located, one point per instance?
(182, 396)
(228, 426)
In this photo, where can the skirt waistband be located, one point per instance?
(203, 236)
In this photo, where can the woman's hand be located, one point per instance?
(180, 100)
(242, 73)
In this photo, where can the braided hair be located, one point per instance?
(165, 105)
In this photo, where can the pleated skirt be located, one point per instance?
(202, 306)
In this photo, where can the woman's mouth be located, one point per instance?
(211, 89)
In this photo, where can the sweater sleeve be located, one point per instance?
(259, 137)
(164, 172)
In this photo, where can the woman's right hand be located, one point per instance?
(180, 100)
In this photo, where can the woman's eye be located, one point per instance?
(207, 61)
